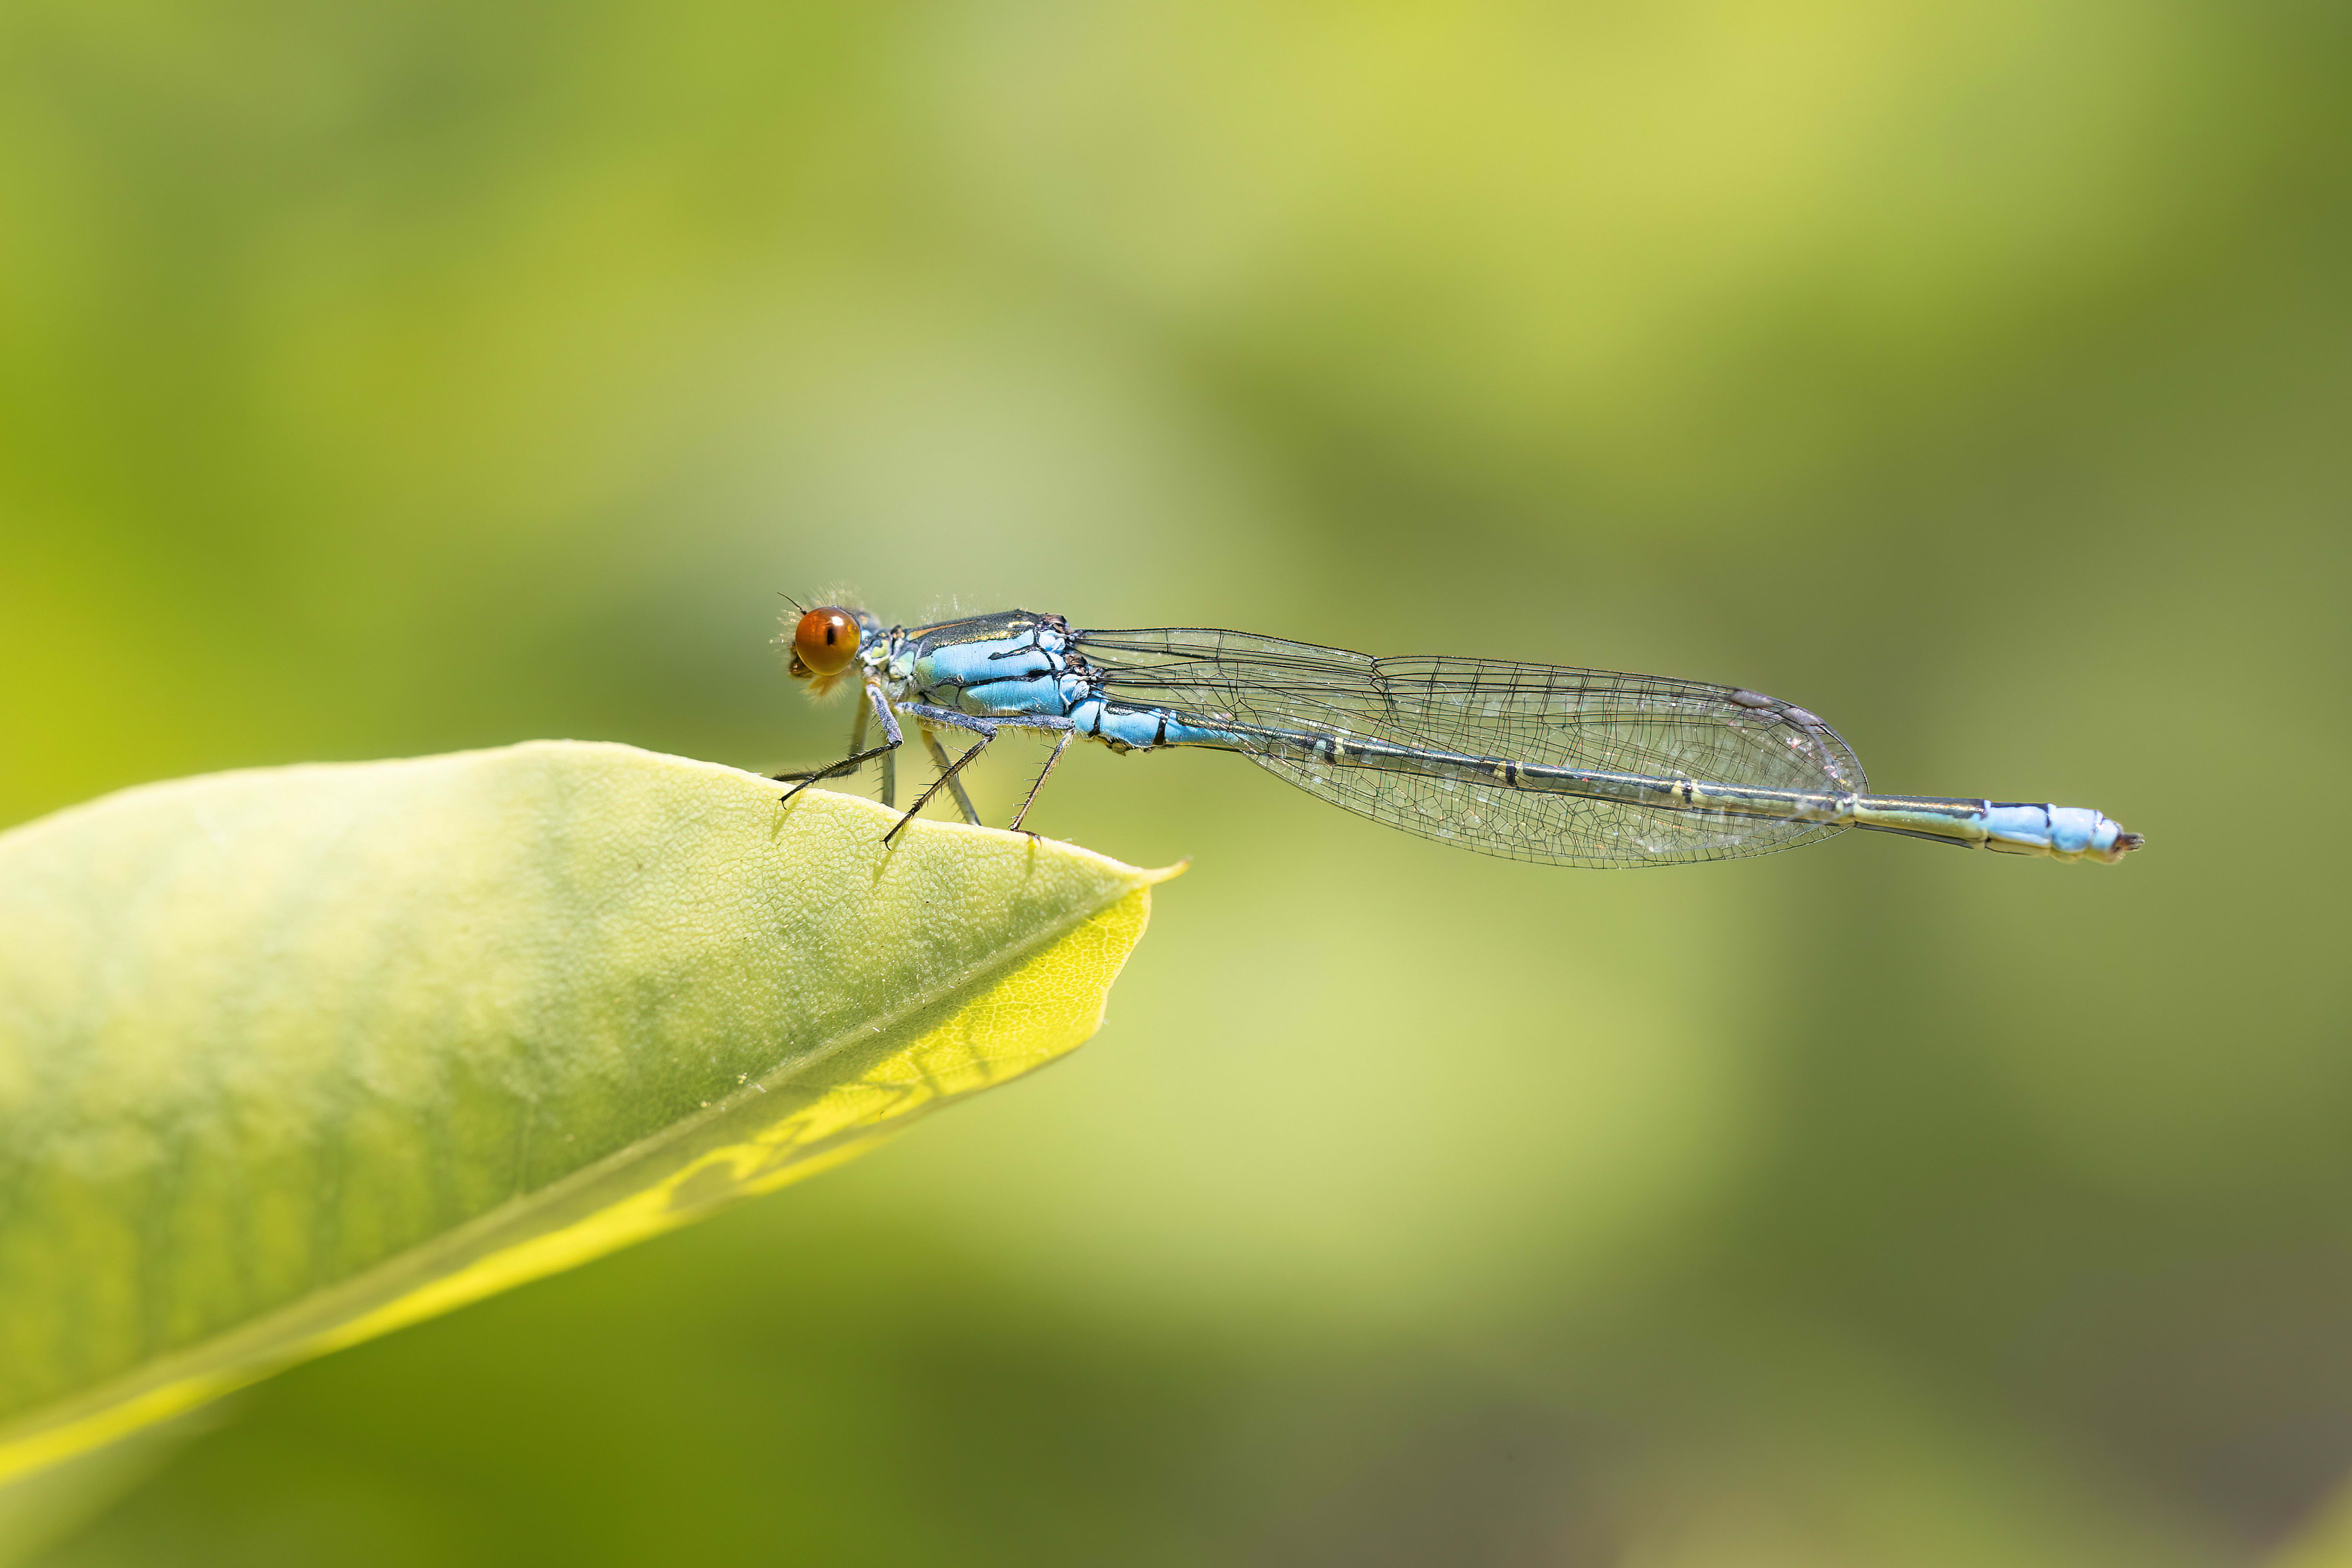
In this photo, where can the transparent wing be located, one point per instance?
(1539, 715)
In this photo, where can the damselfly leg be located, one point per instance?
(859, 757)
(948, 775)
(1060, 745)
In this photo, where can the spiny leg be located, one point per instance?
(879, 705)
(857, 754)
(892, 741)
(953, 768)
(1059, 747)
(988, 728)
(940, 756)
(846, 765)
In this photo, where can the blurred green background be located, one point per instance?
(401, 375)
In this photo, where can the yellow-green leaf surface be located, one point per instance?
(292, 1056)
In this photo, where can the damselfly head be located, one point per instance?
(824, 645)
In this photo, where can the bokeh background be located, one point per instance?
(394, 376)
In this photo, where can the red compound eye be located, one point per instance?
(826, 639)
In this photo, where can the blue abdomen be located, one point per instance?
(1141, 727)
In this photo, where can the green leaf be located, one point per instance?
(294, 1057)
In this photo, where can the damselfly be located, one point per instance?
(1531, 762)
